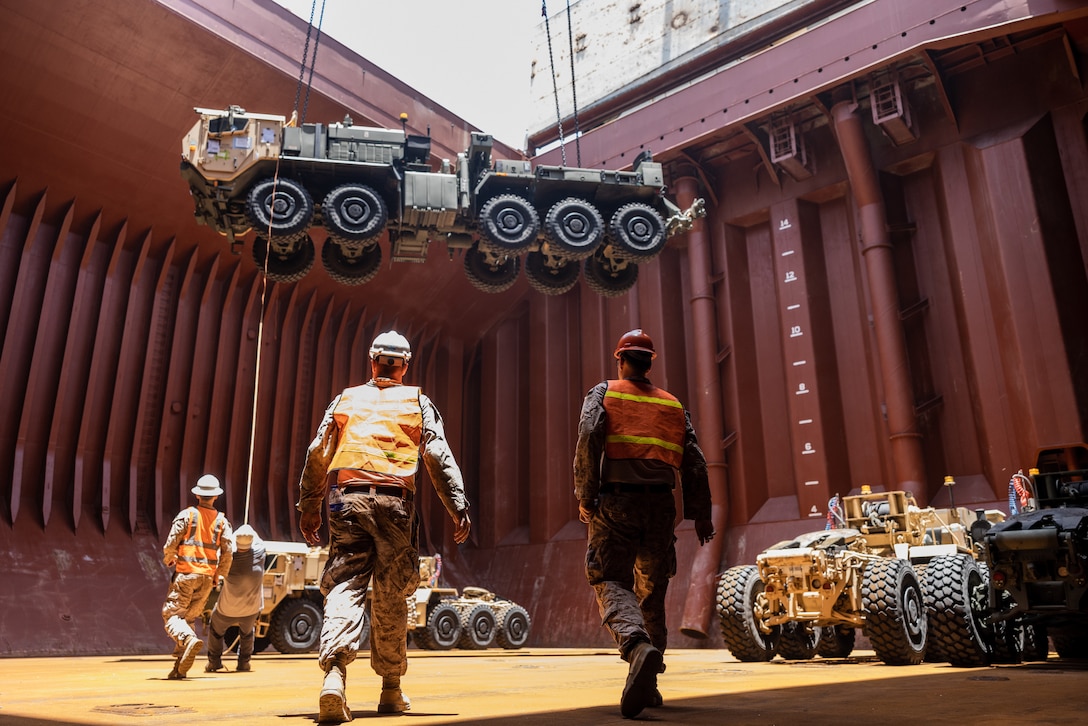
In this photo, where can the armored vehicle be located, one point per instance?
(261, 172)
(439, 618)
(1038, 557)
(809, 595)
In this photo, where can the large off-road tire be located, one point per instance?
(575, 227)
(354, 213)
(550, 280)
(798, 641)
(638, 231)
(1070, 641)
(509, 223)
(514, 625)
(836, 641)
(351, 264)
(955, 592)
(280, 207)
(738, 614)
(488, 273)
(478, 628)
(295, 626)
(288, 262)
(364, 637)
(444, 626)
(1036, 642)
(609, 277)
(895, 612)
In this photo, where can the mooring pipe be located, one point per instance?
(906, 440)
(707, 414)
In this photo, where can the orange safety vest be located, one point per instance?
(198, 553)
(380, 430)
(643, 422)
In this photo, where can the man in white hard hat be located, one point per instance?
(198, 548)
(240, 601)
(365, 458)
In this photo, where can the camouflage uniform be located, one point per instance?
(374, 537)
(189, 590)
(631, 553)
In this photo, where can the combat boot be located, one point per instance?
(188, 656)
(645, 661)
(243, 666)
(393, 699)
(333, 702)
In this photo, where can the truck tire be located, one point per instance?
(288, 262)
(1070, 641)
(478, 627)
(354, 213)
(295, 626)
(575, 227)
(608, 278)
(550, 280)
(836, 641)
(957, 633)
(281, 208)
(638, 231)
(895, 612)
(444, 626)
(509, 222)
(364, 637)
(514, 624)
(351, 264)
(798, 641)
(738, 607)
(488, 272)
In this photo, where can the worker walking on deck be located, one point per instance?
(634, 441)
(198, 548)
(240, 601)
(364, 458)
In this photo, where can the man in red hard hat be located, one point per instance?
(634, 441)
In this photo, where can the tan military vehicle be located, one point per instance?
(439, 618)
(907, 576)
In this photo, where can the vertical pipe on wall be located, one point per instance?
(707, 405)
(906, 440)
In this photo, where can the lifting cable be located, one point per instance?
(295, 118)
(555, 86)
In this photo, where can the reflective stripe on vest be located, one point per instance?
(643, 422)
(380, 430)
(198, 553)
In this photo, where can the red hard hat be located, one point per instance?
(635, 341)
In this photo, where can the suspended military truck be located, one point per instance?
(249, 171)
(1038, 557)
(809, 595)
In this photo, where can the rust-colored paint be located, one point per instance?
(115, 306)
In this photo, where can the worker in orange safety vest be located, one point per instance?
(198, 547)
(634, 441)
(364, 461)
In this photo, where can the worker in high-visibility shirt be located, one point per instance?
(198, 548)
(634, 441)
(364, 460)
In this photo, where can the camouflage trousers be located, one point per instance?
(630, 558)
(184, 604)
(372, 542)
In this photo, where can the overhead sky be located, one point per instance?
(473, 57)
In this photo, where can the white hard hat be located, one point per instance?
(207, 486)
(243, 536)
(392, 345)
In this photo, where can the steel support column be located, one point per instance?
(707, 406)
(906, 441)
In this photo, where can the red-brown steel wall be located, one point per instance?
(129, 354)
